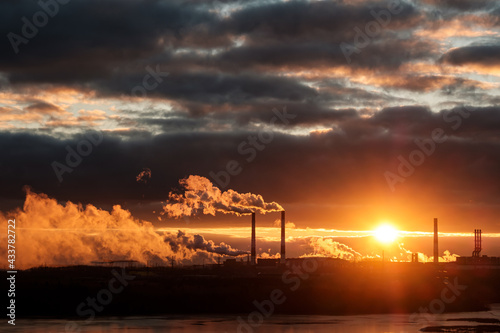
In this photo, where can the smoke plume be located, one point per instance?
(198, 242)
(327, 247)
(144, 176)
(202, 197)
(53, 234)
(447, 256)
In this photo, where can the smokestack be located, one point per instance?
(477, 243)
(252, 259)
(436, 251)
(282, 259)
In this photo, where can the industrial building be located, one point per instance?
(476, 258)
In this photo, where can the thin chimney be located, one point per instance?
(477, 243)
(436, 251)
(253, 256)
(282, 259)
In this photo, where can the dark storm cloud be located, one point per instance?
(325, 21)
(86, 39)
(320, 55)
(82, 44)
(488, 55)
(406, 115)
(418, 121)
(466, 5)
(483, 123)
(207, 100)
(339, 92)
(402, 122)
(216, 88)
(108, 46)
(231, 118)
(304, 34)
(175, 124)
(305, 114)
(355, 149)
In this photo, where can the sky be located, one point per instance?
(347, 114)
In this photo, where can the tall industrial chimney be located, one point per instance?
(253, 256)
(436, 251)
(477, 243)
(282, 258)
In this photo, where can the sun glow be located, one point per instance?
(386, 234)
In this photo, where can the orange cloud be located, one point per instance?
(144, 176)
(8, 114)
(463, 26)
(202, 197)
(53, 234)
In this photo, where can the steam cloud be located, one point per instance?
(52, 234)
(327, 247)
(202, 197)
(198, 242)
(144, 176)
(447, 256)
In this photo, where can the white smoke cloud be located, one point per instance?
(269, 255)
(327, 247)
(198, 242)
(447, 256)
(202, 197)
(53, 234)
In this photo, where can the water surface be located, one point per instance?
(273, 324)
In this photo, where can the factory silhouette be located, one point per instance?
(475, 259)
(307, 285)
(250, 259)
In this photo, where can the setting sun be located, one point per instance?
(386, 233)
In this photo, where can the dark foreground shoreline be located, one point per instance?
(86, 291)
